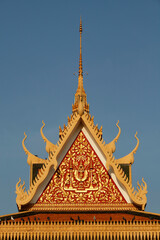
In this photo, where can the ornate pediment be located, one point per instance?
(81, 180)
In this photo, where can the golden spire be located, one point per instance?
(80, 75)
(80, 104)
(80, 56)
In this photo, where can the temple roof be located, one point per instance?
(81, 122)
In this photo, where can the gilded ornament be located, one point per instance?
(84, 179)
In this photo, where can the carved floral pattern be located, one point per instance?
(81, 178)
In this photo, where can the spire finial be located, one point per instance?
(80, 104)
(80, 56)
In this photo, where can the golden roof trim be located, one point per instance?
(137, 196)
(44, 229)
(84, 207)
(24, 197)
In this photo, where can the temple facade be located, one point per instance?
(81, 191)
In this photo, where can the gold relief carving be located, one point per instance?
(81, 178)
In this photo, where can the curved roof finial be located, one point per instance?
(50, 147)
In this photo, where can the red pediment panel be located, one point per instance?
(81, 180)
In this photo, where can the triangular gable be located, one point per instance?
(81, 181)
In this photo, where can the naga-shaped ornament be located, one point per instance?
(20, 191)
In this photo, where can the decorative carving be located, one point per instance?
(142, 191)
(72, 229)
(31, 157)
(49, 146)
(81, 178)
(138, 196)
(48, 164)
(111, 147)
(88, 122)
(20, 191)
(129, 159)
(110, 161)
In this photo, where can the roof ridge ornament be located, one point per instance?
(31, 157)
(80, 104)
(49, 145)
(129, 158)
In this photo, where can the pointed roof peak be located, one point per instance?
(80, 104)
(80, 26)
(80, 56)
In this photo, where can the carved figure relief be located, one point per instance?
(81, 178)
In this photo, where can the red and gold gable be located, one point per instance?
(81, 182)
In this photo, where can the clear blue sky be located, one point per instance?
(39, 51)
